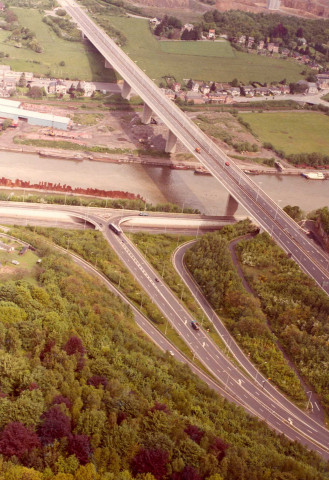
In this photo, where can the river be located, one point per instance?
(159, 184)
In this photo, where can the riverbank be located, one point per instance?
(246, 165)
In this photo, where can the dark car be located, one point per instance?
(195, 325)
(157, 280)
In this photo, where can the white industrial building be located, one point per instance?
(13, 110)
(273, 4)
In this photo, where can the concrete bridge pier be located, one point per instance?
(231, 206)
(126, 90)
(171, 143)
(147, 114)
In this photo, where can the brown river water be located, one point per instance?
(160, 184)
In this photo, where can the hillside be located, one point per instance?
(309, 8)
(86, 396)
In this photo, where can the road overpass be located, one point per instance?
(240, 187)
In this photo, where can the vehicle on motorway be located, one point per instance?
(198, 150)
(195, 325)
(227, 164)
(143, 214)
(157, 280)
(115, 229)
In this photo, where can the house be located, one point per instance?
(168, 93)
(248, 90)
(88, 88)
(261, 91)
(242, 39)
(205, 88)
(285, 89)
(234, 91)
(155, 21)
(260, 45)
(323, 80)
(222, 92)
(275, 90)
(57, 86)
(188, 26)
(195, 86)
(285, 52)
(176, 87)
(311, 87)
(302, 41)
(2, 7)
(273, 47)
(195, 97)
(251, 41)
(212, 34)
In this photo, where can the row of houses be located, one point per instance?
(10, 79)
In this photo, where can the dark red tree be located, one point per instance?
(33, 386)
(16, 439)
(195, 433)
(218, 448)
(55, 425)
(74, 345)
(188, 473)
(97, 380)
(61, 399)
(47, 349)
(121, 416)
(80, 447)
(161, 407)
(150, 461)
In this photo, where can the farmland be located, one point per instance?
(292, 132)
(81, 60)
(198, 60)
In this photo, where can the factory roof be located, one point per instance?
(20, 112)
(9, 103)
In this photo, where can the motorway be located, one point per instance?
(247, 387)
(264, 210)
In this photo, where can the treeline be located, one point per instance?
(210, 263)
(85, 396)
(323, 215)
(314, 159)
(287, 30)
(297, 309)
(74, 200)
(63, 28)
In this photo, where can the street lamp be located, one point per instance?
(277, 209)
(309, 399)
(259, 184)
(257, 372)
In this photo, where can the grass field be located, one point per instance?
(82, 61)
(184, 61)
(291, 132)
(204, 49)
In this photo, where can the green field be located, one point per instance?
(204, 49)
(291, 132)
(82, 61)
(182, 59)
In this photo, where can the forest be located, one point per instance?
(285, 29)
(86, 396)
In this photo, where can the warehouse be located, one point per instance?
(10, 109)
